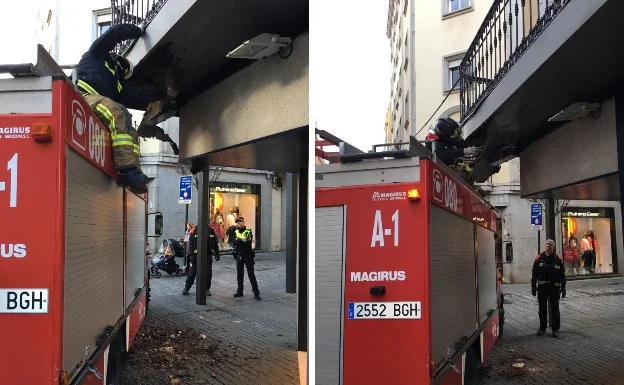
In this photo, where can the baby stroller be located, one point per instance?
(166, 261)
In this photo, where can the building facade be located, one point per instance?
(428, 41)
(67, 28)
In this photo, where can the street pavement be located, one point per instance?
(257, 340)
(589, 350)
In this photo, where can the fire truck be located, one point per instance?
(407, 285)
(73, 269)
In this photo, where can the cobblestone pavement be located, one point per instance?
(256, 340)
(589, 350)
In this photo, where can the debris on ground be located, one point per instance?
(164, 356)
(518, 365)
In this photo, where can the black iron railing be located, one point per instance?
(509, 29)
(135, 12)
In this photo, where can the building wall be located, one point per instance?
(432, 37)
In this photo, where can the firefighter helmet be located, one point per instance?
(446, 129)
(123, 66)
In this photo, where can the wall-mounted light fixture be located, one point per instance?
(577, 111)
(259, 47)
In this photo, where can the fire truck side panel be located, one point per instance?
(453, 288)
(384, 250)
(488, 301)
(135, 247)
(489, 335)
(329, 276)
(29, 192)
(93, 258)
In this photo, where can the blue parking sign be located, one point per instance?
(536, 215)
(186, 189)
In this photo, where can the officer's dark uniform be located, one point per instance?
(548, 281)
(244, 255)
(213, 247)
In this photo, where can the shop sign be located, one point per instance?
(231, 188)
(585, 213)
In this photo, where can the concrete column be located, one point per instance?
(550, 218)
(291, 233)
(204, 262)
(619, 129)
(302, 319)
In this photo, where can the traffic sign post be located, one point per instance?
(186, 189)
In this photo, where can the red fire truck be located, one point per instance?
(73, 269)
(407, 287)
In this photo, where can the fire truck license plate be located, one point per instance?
(384, 310)
(23, 300)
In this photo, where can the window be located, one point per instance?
(451, 71)
(406, 110)
(101, 22)
(453, 6)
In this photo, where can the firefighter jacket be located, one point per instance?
(213, 245)
(242, 242)
(98, 75)
(548, 269)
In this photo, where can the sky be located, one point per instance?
(350, 69)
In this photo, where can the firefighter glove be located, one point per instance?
(563, 292)
(533, 291)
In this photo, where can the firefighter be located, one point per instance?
(213, 247)
(548, 282)
(450, 146)
(102, 77)
(244, 255)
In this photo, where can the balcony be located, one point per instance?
(225, 103)
(530, 60)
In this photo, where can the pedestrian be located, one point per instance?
(244, 255)
(548, 282)
(213, 249)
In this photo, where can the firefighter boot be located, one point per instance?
(238, 294)
(133, 178)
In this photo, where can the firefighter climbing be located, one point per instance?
(451, 147)
(102, 79)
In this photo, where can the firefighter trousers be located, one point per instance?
(192, 273)
(118, 121)
(544, 292)
(247, 262)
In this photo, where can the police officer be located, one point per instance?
(548, 282)
(213, 247)
(244, 255)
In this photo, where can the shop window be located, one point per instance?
(588, 240)
(230, 200)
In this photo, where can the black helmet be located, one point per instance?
(123, 66)
(446, 129)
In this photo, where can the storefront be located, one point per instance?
(586, 229)
(229, 200)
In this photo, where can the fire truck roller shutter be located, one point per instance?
(135, 261)
(453, 286)
(487, 272)
(329, 265)
(93, 296)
